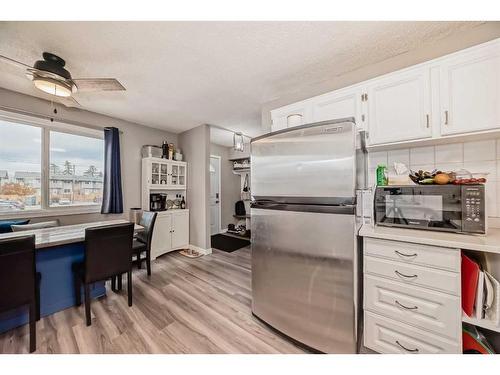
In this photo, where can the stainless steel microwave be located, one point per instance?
(450, 208)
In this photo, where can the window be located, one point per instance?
(48, 166)
(20, 167)
(76, 162)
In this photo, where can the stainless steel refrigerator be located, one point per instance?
(304, 253)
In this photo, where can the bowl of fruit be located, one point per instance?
(464, 177)
(437, 177)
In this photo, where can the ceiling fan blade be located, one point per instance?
(19, 64)
(69, 102)
(98, 84)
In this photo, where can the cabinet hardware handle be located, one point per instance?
(406, 255)
(446, 117)
(405, 348)
(406, 276)
(406, 307)
(363, 118)
(427, 121)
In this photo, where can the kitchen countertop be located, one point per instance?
(489, 243)
(62, 235)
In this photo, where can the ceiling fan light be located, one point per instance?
(52, 86)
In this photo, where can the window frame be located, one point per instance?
(46, 127)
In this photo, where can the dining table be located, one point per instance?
(56, 250)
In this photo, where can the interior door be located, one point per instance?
(399, 107)
(470, 91)
(303, 276)
(215, 225)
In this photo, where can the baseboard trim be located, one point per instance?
(201, 250)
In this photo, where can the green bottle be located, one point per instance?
(381, 175)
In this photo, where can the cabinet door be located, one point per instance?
(180, 229)
(177, 175)
(470, 91)
(162, 235)
(399, 107)
(339, 104)
(292, 115)
(154, 173)
(164, 174)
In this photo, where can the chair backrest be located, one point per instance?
(17, 271)
(148, 220)
(41, 225)
(108, 251)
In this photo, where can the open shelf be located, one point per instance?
(240, 159)
(483, 323)
(247, 216)
(241, 170)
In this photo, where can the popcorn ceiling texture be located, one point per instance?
(475, 156)
(179, 75)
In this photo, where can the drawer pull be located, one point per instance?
(406, 307)
(406, 255)
(405, 348)
(402, 275)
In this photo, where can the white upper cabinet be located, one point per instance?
(339, 104)
(470, 91)
(399, 106)
(292, 115)
(164, 174)
(458, 93)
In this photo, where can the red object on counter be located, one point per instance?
(470, 276)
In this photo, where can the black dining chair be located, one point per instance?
(108, 252)
(19, 281)
(142, 244)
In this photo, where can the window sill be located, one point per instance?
(50, 212)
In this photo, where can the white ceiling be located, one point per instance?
(179, 75)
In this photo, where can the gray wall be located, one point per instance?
(132, 138)
(195, 146)
(230, 184)
(428, 51)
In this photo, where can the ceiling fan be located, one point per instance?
(50, 76)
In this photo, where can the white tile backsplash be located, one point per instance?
(449, 167)
(452, 153)
(422, 155)
(491, 198)
(480, 150)
(376, 158)
(475, 156)
(398, 156)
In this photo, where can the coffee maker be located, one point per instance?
(157, 202)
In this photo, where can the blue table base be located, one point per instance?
(57, 286)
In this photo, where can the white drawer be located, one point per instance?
(411, 274)
(432, 256)
(423, 308)
(388, 336)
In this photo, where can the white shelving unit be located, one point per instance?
(167, 177)
(243, 172)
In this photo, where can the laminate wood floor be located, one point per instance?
(187, 306)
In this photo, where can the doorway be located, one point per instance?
(215, 196)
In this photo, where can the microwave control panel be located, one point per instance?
(473, 211)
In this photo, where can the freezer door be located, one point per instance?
(316, 161)
(303, 276)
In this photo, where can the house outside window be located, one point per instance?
(48, 166)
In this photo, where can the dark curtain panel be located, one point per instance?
(112, 200)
